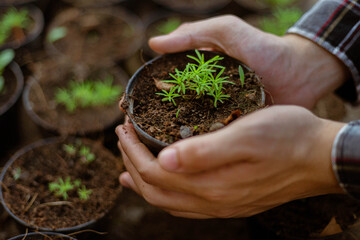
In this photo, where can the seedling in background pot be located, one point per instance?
(197, 80)
(16, 173)
(6, 57)
(61, 187)
(282, 19)
(13, 19)
(56, 34)
(83, 193)
(168, 26)
(83, 152)
(86, 155)
(88, 94)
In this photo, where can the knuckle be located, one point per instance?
(214, 196)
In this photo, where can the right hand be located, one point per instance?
(294, 70)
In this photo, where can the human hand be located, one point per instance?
(294, 70)
(260, 161)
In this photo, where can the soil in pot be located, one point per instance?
(93, 34)
(28, 195)
(310, 218)
(40, 98)
(194, 6)
(14, 2)
(14, 35)
(190, 116)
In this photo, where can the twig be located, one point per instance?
(26, 233)
(87, 230)
(31, 202)
(4, 186)
(57, 203)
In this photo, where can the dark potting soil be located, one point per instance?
(302, 219)
(9, 87)
(93, 35)
(163, 120)
(30, 199)
(83, 120)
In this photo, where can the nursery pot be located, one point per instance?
(193, 6)
(14, 82)
(42, 236)
(109, 34)
(29, 201)
(39, 103)
(93, 3)
(35, 28)
(169, 62)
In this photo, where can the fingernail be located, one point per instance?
(124, 180)
(168, 159)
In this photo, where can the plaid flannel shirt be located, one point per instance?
(335, 25)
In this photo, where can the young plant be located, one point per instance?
(197, 80)
(69, 149)
(88, 94)
(56, 34)
(61, 187)
(83, 193)
(86, 155)
(6, 57)
(13, 19)
(282, 19)
(16, 173)
(168, 26)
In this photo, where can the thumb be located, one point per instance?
(210, 33)
(205, 152)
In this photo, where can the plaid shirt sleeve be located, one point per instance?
(335, 25)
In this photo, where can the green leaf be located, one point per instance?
(6, 56)
(56, 34)
(242, 76)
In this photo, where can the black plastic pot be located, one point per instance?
(8, 113)
(42, 236)
(152, 143)
(193, 6)
(41, 143)
(38, 18)
(107, 119)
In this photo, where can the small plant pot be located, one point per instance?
(329, 217)
(14, 82)
(160, 123)
(25, 190)
(30, 34)
(39, 100)
(162, 23)
(194, 6)
(92, 3)
(42, 236)
(92, 34)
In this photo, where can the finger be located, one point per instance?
(206, 152)
(189, 215)
(120, 104)
(210, 33)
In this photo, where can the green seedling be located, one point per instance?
(168, 26)
(83, 193)
(197, 80)
(69, 149)
(16, 173)
(88, 94)
(13, 18)
(177, 113)
(56, 34)
(6, 57)
(61, 187)
(282, 19)
(242, 76)
(86, 155)
(196, 127)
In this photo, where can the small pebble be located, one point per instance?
(216, 126)
(185, 132)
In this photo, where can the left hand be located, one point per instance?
(260, 161)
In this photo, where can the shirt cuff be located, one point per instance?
(346, 158)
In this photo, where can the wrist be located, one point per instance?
(316, 71)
